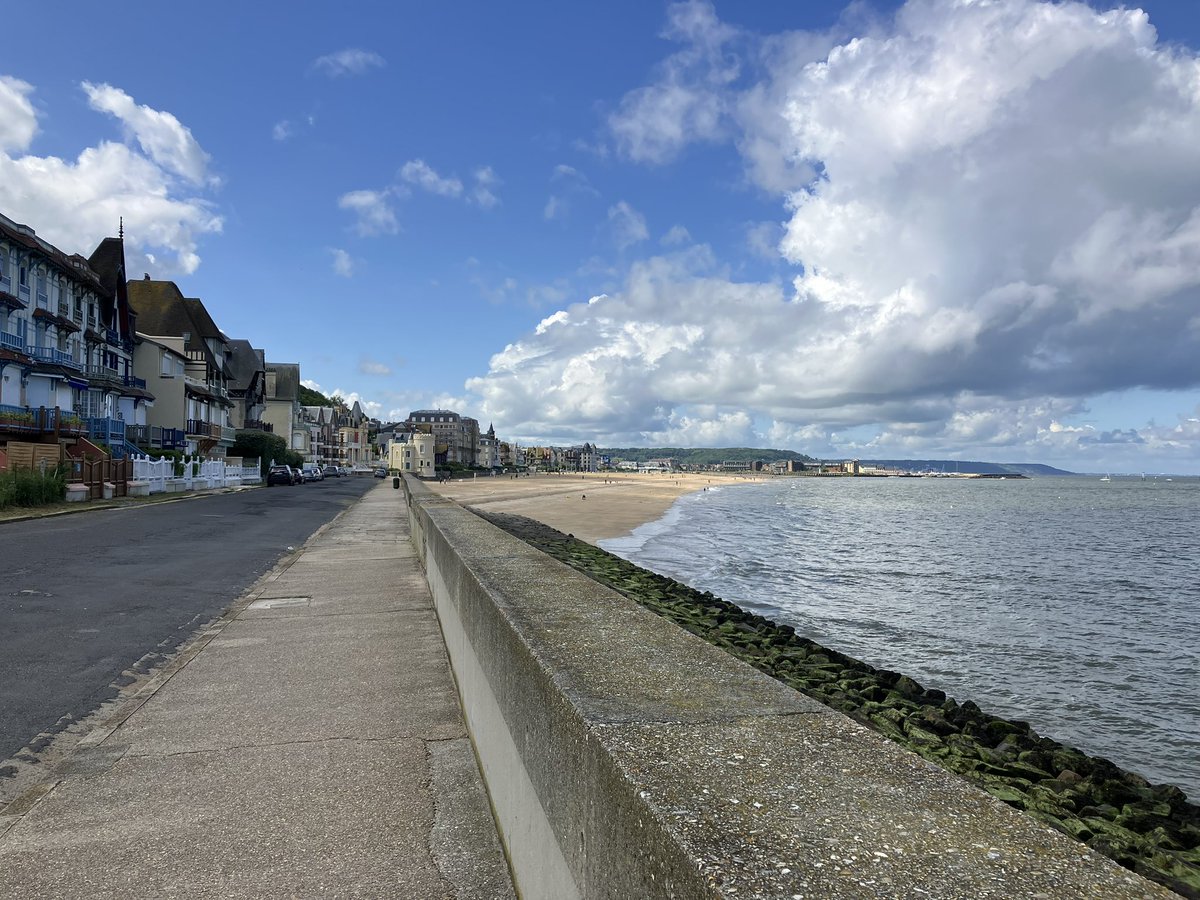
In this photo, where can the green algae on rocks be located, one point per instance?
(1150, 829)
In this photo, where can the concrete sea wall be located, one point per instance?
(627, 758)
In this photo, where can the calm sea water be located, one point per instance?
(1068, 602)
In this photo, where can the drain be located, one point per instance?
(279, 602)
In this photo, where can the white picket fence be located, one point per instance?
(197, 474)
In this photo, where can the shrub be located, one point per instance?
(25, 487)
(250, 443)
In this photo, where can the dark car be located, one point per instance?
(297, 476)
(279, 475)
(381, 472)
(332, 472)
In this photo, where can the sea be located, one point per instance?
(1070, 603)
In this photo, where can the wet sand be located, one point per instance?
(592, 507)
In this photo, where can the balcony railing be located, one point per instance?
(105, 430)
(131, 381)
(198, 428)
(58, 357)
(259, 425)
(64, 310)
(39, 420)
(112, 337)
(228, 434)
(12, 342)
(104, 372)
(156, 438)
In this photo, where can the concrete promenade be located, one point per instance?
(309, 743)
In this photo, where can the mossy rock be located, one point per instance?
(1047, 779)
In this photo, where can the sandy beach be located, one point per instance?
(592, 507)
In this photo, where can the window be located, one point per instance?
(23, 279)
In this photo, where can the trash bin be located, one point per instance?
(396, 481)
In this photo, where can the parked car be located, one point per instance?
(381, 472)
(279, 475)
(345, 470)
(332, 472)
(313, 473)
(297, 476)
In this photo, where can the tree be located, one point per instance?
(309, 397)
(266, 447)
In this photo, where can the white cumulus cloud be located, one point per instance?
(166, 140)
(18, 121)
(992, 210)
(151, 182)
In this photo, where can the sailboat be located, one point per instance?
(1106, 478)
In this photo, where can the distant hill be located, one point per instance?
(711, 456)
(309, 397)
(703, 456)
(967, 466)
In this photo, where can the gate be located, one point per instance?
(95, 472)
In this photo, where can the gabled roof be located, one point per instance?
(74, 266)
(204, 322)
(108, 262)
(161, 310)
(320, 415)
(244, 364)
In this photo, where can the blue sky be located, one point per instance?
(925, 229)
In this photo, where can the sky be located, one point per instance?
(963, 229)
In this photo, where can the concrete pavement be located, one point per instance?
(309, 743)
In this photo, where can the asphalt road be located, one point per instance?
(83, 597)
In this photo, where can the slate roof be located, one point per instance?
(287, 380)
(160, 310)
(108, 262)
(75, 266)
(244, 363)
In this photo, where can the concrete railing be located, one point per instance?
(627, 758)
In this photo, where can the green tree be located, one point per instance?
(309, 397)
(249, 444)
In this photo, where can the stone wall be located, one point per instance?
(626, 757)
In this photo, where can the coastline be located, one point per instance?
(1151, 829)
(592, 507)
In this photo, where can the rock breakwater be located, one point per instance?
(1150, 829)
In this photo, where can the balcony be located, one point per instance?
(30, 420)
(64, 310)
(57, 357)
(12, 342)
(111, 335)
(130, 381)
(198, 428)
(259, 425)
(108, 431)
(152, 437)
(104, 372)
(228, 435)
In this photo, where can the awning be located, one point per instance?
(78, 383)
